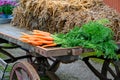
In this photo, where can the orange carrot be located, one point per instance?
(47, 42)
(49, 45)
(40, 34)
(24, 40)
(43, 33)
(37, 38)
(36, 43)
(34, 39)
(44, 37)
(24, 35)
(47, 38)
(40, 42)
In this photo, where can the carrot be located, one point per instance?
(47, 38)
(37, 38)
(24, 40)
(40, 41)
(49, 45)
(24, 35)
(47, 42)
(44, 37)
(36, 43)
(42, 33)
(34, 39)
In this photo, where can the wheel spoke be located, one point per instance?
(18, 74)
(117, 70)
(104, 68)
(24, 75)
(112, 72)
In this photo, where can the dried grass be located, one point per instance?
(63, 15)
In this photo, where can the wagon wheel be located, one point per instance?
(23, 71)
(109, 67)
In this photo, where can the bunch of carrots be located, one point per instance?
(38, 38)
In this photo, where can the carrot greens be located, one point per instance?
(93, 34)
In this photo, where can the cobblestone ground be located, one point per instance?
(75, 71)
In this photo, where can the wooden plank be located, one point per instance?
(12, 35)
(16, 52)
(2, 63)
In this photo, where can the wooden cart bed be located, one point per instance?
(12, 35)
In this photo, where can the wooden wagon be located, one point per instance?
(37, 59)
